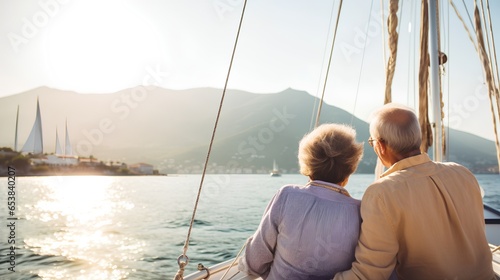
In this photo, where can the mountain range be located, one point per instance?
(172, 129)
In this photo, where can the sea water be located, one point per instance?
(104, 227)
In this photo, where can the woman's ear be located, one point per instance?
(344, 183)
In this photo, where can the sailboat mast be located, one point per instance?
(434, 81)
(15, 136)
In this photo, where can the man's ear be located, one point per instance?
(382, 147)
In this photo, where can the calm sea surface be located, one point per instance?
(98, 227)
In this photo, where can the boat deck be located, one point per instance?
(218, 271)
(492, 222)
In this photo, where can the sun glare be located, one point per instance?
(98, 45)
(85, 208)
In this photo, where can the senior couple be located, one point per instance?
(420, 220)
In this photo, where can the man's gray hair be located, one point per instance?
(398, 126)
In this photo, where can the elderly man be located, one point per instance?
(421, 219)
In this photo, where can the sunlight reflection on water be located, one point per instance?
(84, 208)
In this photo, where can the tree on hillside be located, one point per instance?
(20, 162)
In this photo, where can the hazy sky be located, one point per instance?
(92, 46)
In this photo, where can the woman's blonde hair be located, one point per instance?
(330, 153)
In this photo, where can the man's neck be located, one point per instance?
(396, 157)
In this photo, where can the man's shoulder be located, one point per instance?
(433, 168)
(453, 167)
(385, 184)
(451, 164)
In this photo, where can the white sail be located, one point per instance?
(34, 144)
(58, 145)
(67, 146)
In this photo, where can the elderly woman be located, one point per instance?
(310, 232)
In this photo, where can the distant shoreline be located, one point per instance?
(86, 174)
(48, 174)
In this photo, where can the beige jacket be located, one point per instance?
(424, 219)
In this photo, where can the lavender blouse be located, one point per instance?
(306, 232)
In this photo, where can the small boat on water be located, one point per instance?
(229, 270)
(275, 172)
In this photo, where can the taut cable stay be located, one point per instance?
(183, 259)
(362, 63)
(468, 14)
(322, 66)
(383, 32)
(329, 63)
(464, 24)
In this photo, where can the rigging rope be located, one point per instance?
(329, 63)
(182, 264)
(379, 168)
(489, 77)
(490, 65)
(392, 23)
(487, 68)
(494, 60)
(233, 262)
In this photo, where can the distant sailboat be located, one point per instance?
(34, 144)
(275, 172)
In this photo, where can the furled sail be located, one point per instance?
(423, 77)
(392, 23)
